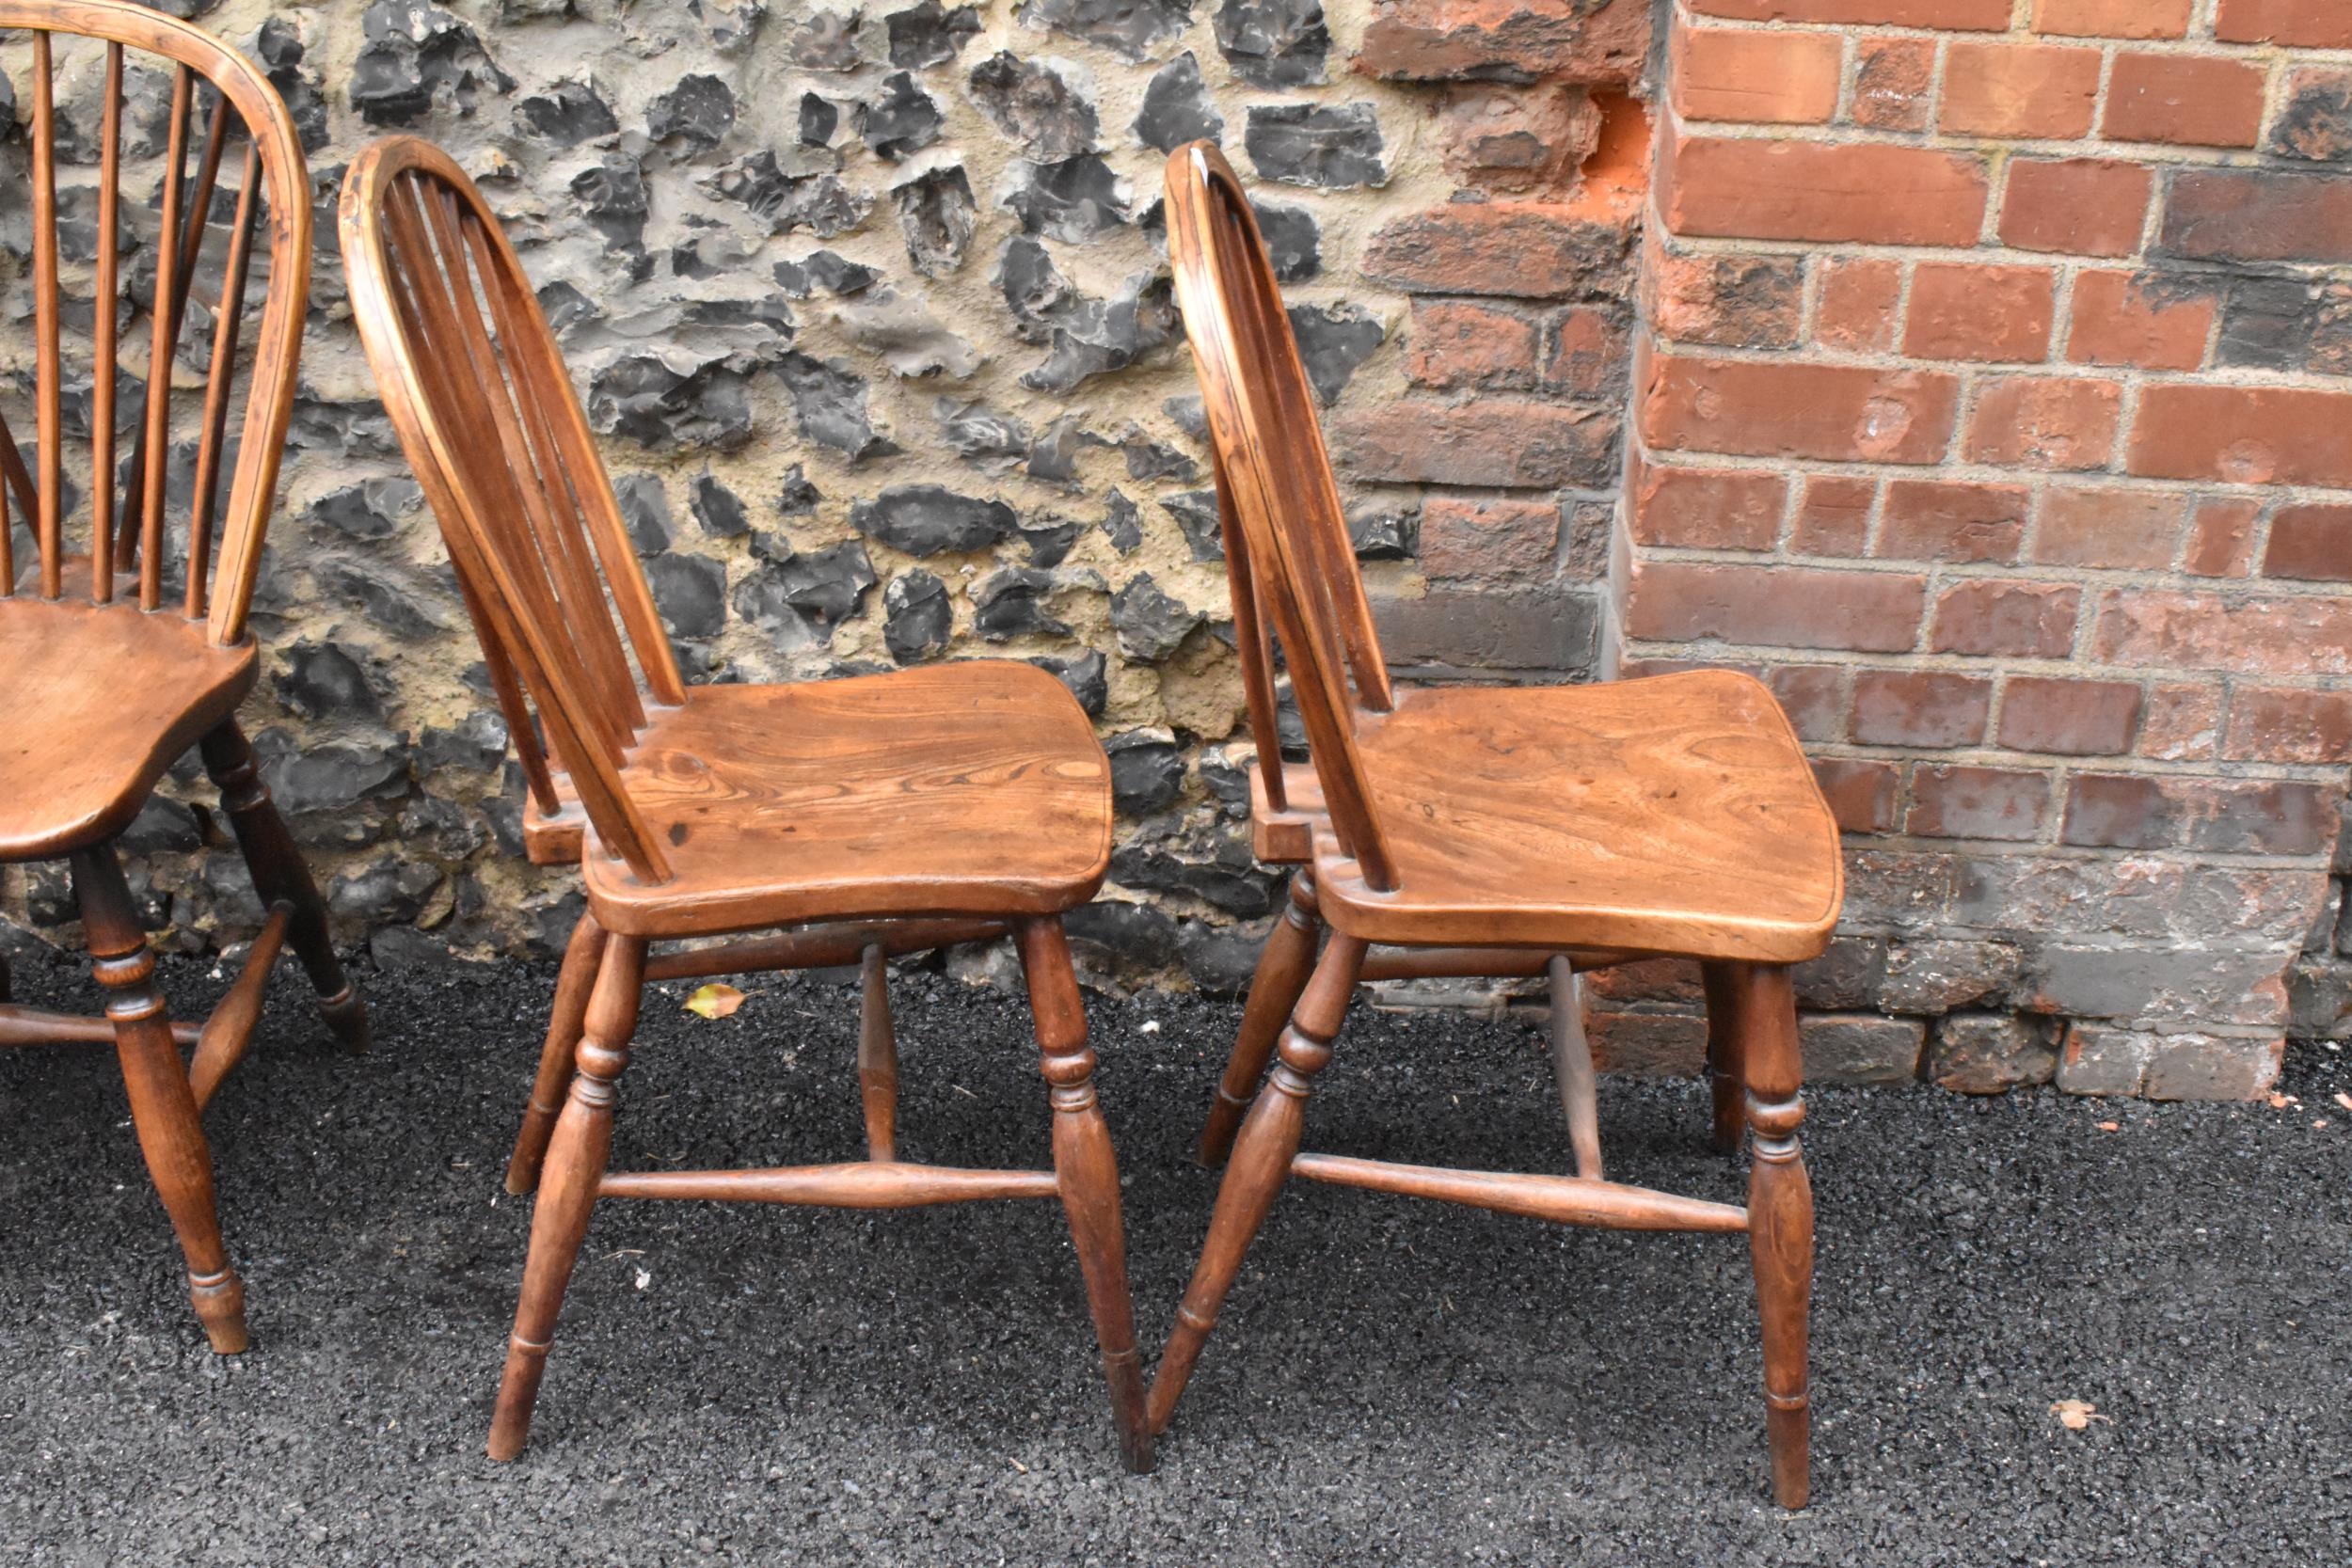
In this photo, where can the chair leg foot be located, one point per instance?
(566, 1020)
(1288, 958)
(219, 1303)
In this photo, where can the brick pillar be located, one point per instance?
(1990, 402)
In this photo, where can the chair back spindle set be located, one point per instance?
(1449, 832)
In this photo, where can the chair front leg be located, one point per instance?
(1288, 958)
(1780, 1217)
(278, 874)
(581, 957)
(1087, 1171)
(1261, 1163)
(577, 1158)
(163, 1106)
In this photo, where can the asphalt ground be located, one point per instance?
(1394, 1382)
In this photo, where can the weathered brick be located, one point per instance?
(2314, 118)
(1946, 520)
(2119, 811)
(1936, 976)
(2252, 214)
(1990, 16)
(1989, 1053)
(2112, 19)
(1925, 709)
(1860, 1048)
(2107, 527)
(1676, 982)
(2189, 99)
(1979, 312)
(1978, 802)
(1992, 618)
(1480, 629)
(2305, 24)
(1585, 350)
(1845, 978)
(2159, 984)
(2244, 435)
(2289, 724)
(2183, 722)
(1832, 515)
(2082, 206)
(1456, 343)
(1497, 442)
(1836, 412)
(1725, 301)
(2046, 422)
(1891, 80)
(2212, 1067)
(2221, 538)
(1861, 792)
(2073, 718)
(1708, 508)
(1813, 696)
(1522, 40)
(1777, 607)
(2042, 91)
(2124, 320)
(1517, 139)
(1647, 1045)
(1863, 193)
(1521, 249)
(1755, 76)
(1489, 540)
(2312, 543)
(1858, 298)
(2169, 628)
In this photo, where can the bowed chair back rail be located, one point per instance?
(1483, 831)
(839, 822)
(131, 539)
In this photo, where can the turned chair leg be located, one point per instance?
(1089, 1174)
(1288, 958)
(1261, 1163)
(1725, 1075)
(1780, 1217)
(279, 875)
(576, 1161)
(582, 955)
(876, 1055)
(163, 1106)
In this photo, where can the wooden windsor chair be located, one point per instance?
(116, 661)
(1470, 830)
(857, 818)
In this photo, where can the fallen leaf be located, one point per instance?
(1018, 1465)
(2076, 1415)
(2281, 1102)
(2110, 1127)
(2317, 1127)
(714, 1001)
(2344, 1100)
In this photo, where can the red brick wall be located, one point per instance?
(1988, 398)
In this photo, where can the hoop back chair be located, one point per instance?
(1467, 830)
(115, 669)
(857, 817)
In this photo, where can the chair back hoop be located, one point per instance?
(485, 409)
(193, 254)
(1288, 555)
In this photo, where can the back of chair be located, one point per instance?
(82, 237)
(485, 411)
(1285, 533)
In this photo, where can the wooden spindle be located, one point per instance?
(216, 384)
(49, 435)
(103, 346)
(155, 438)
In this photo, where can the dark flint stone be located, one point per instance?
(324, 682)
(1011, 602)
(645, 503)
(1034, 105)
(1034, 289)
(1124, 521)
(1087, 675)
(393, 890)
(414, 54)
(611, 196)
(566, 115)
(565, 306)
(1190, 417)
(691, 592)
(822, 269)
(1128, 29)
(829, 406)
(819, 202)
(937, 216)
(904, 120)
(1213, 866)
(369, 510)
(697, 113)
(1054, 455)
(162, 826)
(1072, 201)
(928, 519)
(826, 40)
(820, 119)
(718, 508)
(1150, 626)
(797, 497)
(304, 780)
(641, 399)
(1149, 460)
(1274, 43)
(1176, 107)
(1049, 540)
(1292, 241)
(1379, 533)
(446, 829)
(992, 442)
(477, 744)
(1134, 936)
(1221, 777)
(929, 34)
(1090, 336)
(1220, 960)
(1147, 772)
(916, 616)
(280, 44)
(1195, 511)
(1334, 341)
(826, 586)
(384, 598)
(1332, 147)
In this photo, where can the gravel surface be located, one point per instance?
(1393, 1381)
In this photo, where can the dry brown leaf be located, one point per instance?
(2344, 1100)
(2110, 1127)
(2076, 1415)
(2281, 1102)
(714, 1001)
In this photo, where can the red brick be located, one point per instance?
(1987, 16)
(2217, 816)
(1776, 605)
(2244, 435)
(2288, 725)
(1454, 343)
(1755, 76)
(1708, 509)
(2313, 543)
(1422, 40)
(1834, 515)
(2046, 422)
(2082, 206)
(1832, 412)
(1891, 82)
(2221, 539)
(1860, 792)
(2124, 320)
(1919, 707)
(1858, 298)
(1864, 193)
(1938, 520)
(2305, 24)
(1585, 354)
(2018, 89)
(1977, 312)
(2314, 120)
(2112, 19)
(1489, 540)
(1813, 696)
(1522, 249)
(1669, 980)
(1500, 442)
(2298, 635)
(1725, 301)
(2189, 100)
(2074, 717)
(1978, 802)
(2130, 530)
(2183, 722)
(1992, 618)
(2254, 214)
(2119, 811)
(1647, 1045)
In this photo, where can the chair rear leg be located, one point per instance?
(1724, 1048)
(1780, 1218)
(1087, 1170)
(577, 1158)
(1288, 958)
(163, 1106)
(582, 955)
(1260, 1165)
(278, 873)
